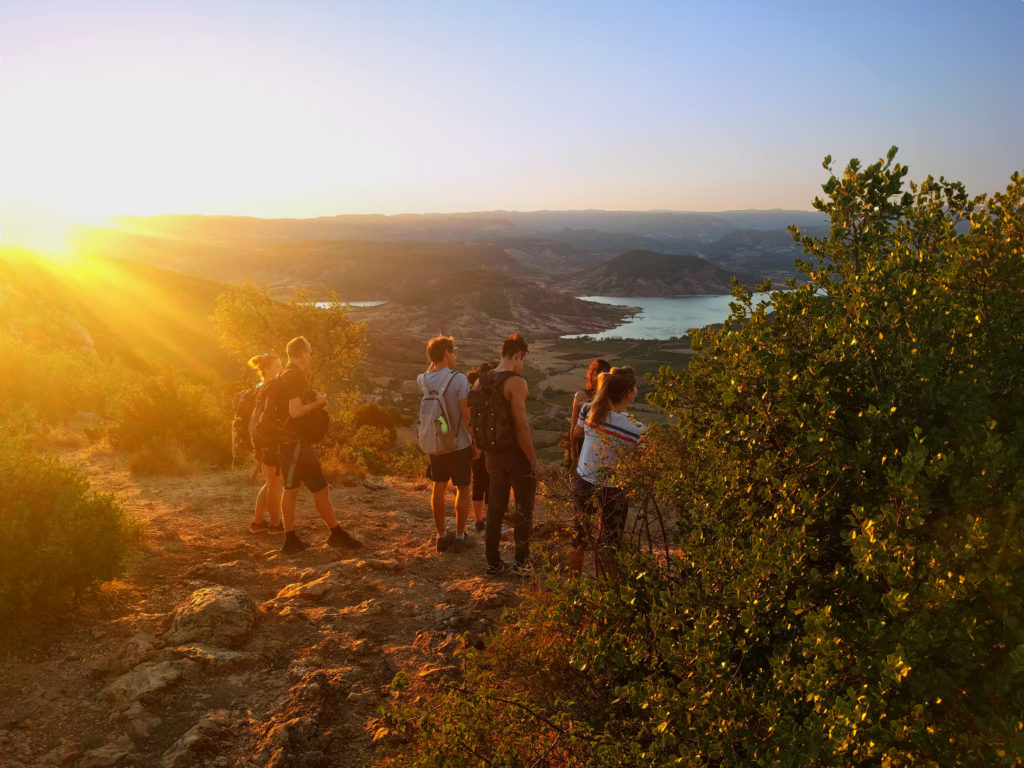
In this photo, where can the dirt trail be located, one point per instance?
(291, 673)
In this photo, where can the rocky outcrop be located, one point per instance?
(219, 615)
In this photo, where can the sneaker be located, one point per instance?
(498, 570)
(292, 545)
(481, 526)
(341, 538)
(523, 569)
(259, 527)
(445, 541)
(279, 528)
(460, 543)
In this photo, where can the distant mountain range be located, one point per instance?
(556, 254)
(646, 273)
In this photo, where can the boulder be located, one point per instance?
(204, 739)
(146, 682)
(218, 615)
(218, 661)
(112, 754)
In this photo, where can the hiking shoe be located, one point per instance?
(523, 569)
(460, 543)
(279, 528)
(445, 541)
(481, 526)
(260, 527)
(498, 570)
(341, 538)
(293, 545)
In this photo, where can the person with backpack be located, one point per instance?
(481, 478)
(595, 369)
(446, 439)
(608, 432)
(300, 416)
(268, 366)
(501, 429)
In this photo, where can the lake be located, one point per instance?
(356, 304)
(664, 318)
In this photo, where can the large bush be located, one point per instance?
(847, 473)
(57, 538)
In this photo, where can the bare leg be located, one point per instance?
(576, 555)
(322, 499)
(272, 487)
(437, 505)
(261, 505)
(479, 507)
(288, 508)
(463, 501)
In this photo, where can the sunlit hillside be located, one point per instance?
(140, 314)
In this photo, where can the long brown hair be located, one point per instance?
(597, 367)
(611, 388)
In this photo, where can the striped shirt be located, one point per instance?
(604, 444)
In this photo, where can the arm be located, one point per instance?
(516, 391)
(297, 409)
(464, 406)
(575, 430)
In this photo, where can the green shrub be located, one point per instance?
(58, 539)
(847, 587)
(161, 417)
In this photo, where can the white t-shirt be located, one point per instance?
(457, 390)
(605, 444)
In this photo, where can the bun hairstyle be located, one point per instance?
(479, 371)
(612, 387)
(597, 367)
(262, 362)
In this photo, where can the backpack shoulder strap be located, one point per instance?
(447, 382)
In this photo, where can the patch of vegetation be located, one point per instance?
(58, 538)
(846, 475)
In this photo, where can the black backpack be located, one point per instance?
(491, 414)
(313, 427)
(244, 403)
(266, 427)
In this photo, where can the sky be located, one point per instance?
(301, 108)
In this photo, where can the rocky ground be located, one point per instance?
(216, 650)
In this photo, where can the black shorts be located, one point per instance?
(481, 478)
(267, 458)
(300, 464)
(456, 466)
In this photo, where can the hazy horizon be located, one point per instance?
(319, 109)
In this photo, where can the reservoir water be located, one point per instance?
(354, 304)
(664, 318)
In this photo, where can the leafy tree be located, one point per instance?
(249, 321)
(847, 474)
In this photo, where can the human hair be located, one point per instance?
(298, 346)
(612, 387)
(480, 370)
(261, 363)
(597, 367)
(439, 346)
(513, 345)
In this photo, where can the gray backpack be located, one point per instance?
(436, 433)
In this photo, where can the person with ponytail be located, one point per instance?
(608, 432)
(268, 366)
(596, 368)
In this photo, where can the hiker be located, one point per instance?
(608, 433)
(596, 368)
(481, 479)
(451, 450)
(502, 431)
(297, 457)
(268, 366)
